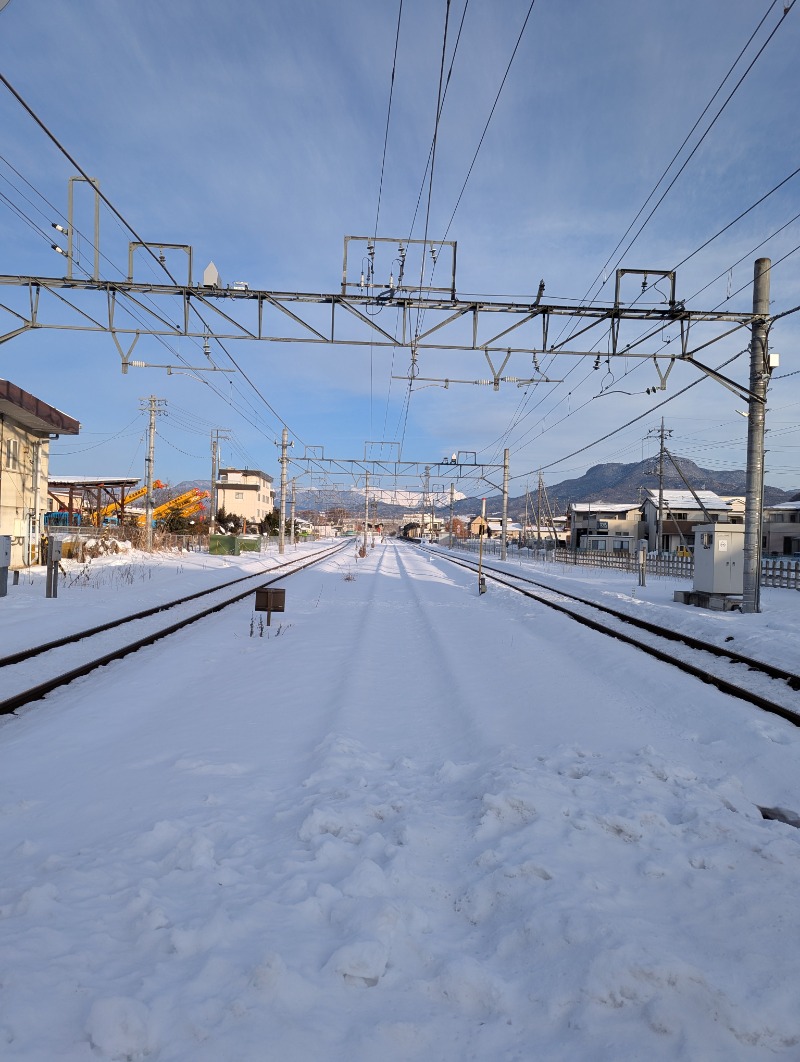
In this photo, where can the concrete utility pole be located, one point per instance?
(366, 514)
(663, 433)
(153, 405)
(285, 444)
(481, 580)
(504, 537)
(216, 435)
(291, 516)
(757, 406)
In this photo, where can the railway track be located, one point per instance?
(765, 685)
(33, 673)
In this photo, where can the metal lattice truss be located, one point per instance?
(393, 318)
(376, 470)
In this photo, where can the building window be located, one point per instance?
(239, 495)
(12, 453)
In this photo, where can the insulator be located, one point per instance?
(362, 278)
(391, 280)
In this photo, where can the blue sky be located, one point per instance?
(254, 131)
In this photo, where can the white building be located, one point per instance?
(245, 492)
(680, 512)
(781, 528)
(605, 526)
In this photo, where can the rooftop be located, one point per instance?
(34, 414)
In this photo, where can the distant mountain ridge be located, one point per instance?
(608, 482)
(628, 483)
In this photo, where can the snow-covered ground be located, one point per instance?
(407, 823)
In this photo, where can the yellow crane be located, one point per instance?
(115, 507)
(184, 505)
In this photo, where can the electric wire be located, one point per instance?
(489, 119)
(686, 140)
(128, 226)
(787, 8)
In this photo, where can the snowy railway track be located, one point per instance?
(32, 673)
(760, 683)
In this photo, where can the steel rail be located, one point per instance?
(35, 693)
(724, 685)
(68, 639)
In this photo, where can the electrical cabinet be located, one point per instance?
(719, 559)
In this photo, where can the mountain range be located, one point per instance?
(606, 482)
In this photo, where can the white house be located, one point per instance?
(680, 512)
(781, 529)
(605, 526)
(245, 492)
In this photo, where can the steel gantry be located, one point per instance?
(394, 317)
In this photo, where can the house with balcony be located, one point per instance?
(605, 526)
(246, 492)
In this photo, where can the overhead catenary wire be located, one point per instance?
(641, 416)
(51, 136)
(787, 8)
(688, 137)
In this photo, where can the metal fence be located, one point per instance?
(83, 541)
(775, 571)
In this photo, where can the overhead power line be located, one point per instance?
(51, 136)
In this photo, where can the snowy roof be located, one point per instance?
(684, 499)
(56, 482)
(603, 507)
(790, 507)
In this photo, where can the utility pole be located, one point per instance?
(539, 488)
(366, 514)
(216, 435)
(284, 444)
(504, 536)
(481, 580)
(426, 485)
(291, 517)
(155, 408)
(452, 502)
(663, 434)
(754, 491)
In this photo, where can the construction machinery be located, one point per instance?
(115, 508)
(185, 504)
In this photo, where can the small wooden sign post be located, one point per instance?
(270, 599)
